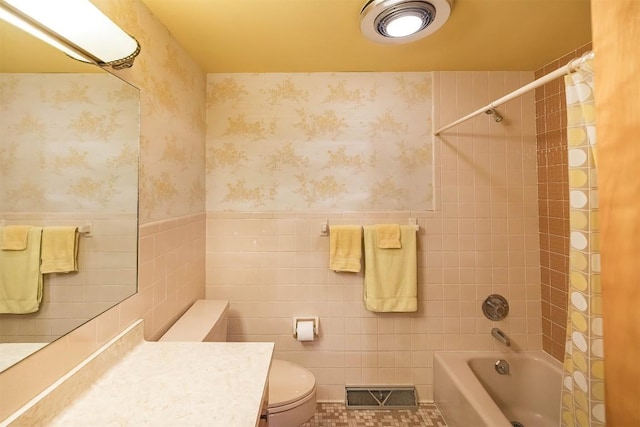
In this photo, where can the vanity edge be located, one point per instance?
(44, 407)
(131, 381)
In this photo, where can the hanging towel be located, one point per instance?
(391, 275)
(388, 236)
(59, 250)
(345, 247)
(14, 237)
(20, 278)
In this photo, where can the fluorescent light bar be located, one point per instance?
(76, 27)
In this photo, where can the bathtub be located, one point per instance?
(470, 393)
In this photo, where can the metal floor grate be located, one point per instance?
(377, 397)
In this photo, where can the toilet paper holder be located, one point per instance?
(316, 325)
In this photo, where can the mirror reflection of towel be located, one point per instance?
(20, 277)
(59, 250)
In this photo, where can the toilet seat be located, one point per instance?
(288, 384)
(293, 405)
(292, 394)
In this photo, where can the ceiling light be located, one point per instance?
(402, 26)
(402, 21)
(76, 27)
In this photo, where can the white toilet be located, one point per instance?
(292, 394)
(292, 388)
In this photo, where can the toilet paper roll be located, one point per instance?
(304, 330)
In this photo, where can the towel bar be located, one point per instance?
(324, 226)
(83, 229)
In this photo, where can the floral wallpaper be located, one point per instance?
(328, 141)
(172, 115)
(69, 143)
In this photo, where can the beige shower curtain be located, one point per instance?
(583, 381)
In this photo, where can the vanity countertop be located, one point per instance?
(12, 353)
(190, 384)
(171, 384)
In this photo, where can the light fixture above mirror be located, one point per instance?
(402, 21)
(75, 27)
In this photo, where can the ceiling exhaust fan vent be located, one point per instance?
(402, 21)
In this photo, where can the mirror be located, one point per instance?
(69, 138)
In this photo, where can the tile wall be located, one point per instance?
(553, 204)
(482, 238)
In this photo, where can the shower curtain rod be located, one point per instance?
(571, 66)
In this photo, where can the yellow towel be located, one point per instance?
(391, 275)
(20, 278)
(59, 250)
(345, 247)
(388, 236)
(14, 237)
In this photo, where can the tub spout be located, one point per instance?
(501, 336)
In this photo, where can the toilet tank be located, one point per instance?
(205, 320)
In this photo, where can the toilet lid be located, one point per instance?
(288, 383)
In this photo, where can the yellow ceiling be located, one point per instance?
(324, 35)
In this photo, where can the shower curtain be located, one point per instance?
(583, 377)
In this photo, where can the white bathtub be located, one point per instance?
(470, 393)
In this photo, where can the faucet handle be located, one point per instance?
(495, 307)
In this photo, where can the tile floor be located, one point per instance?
(336, 415)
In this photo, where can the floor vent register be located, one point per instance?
(376, 397)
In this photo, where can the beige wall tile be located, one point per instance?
(472, 245)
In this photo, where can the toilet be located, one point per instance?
(292, 388)
(292, 394)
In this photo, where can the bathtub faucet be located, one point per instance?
(501, 336)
